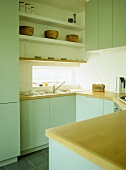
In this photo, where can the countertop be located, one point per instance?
(103, 95)
(102, 140)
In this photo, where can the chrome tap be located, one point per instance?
(54, 88)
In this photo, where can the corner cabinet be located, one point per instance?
(88, 107)
(37, 45)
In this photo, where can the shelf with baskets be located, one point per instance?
(50, 41)
(49, 21)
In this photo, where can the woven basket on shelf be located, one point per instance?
(72, 37)
(26, 30)
(53, 34)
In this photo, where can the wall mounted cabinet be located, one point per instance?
(105, 24)
(98, 24)
(91, 25)
(119, 23)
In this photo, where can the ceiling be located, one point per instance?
(71, 5)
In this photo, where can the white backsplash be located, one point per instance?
(102, 67)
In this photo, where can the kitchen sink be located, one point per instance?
(46, 93)
(58, 91)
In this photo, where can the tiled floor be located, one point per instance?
(35, 161)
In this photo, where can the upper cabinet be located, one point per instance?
(105, 24)
(53, 17)
(91, 25)
(98, 24)
(119, 23)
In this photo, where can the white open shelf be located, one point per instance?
(49, 21)
(50, 41)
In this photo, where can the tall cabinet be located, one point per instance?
(9, 83)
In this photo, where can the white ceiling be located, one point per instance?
(71, 5)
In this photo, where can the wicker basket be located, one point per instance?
(51, 34)
(26, 30)
(72, 37)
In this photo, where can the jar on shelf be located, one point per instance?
(21, 7)
(27, 8)
(32, 10)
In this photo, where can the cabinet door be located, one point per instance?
(9, 131)
(9, 51)
(34, 121)
(119, 23)
(91, 25)
(62, 110)
(88, 107)
(105, 24)
(108, 107)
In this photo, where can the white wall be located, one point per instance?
(102, 67)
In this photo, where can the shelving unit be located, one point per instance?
(50, 41)
(64, 27)
(52, 60)
(49, 21)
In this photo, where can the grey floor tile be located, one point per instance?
(20, 165)
(38, 159)
(3, 168)
(46, 151)
(42, 167)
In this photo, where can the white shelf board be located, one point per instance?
(50, 41)
(50, 21)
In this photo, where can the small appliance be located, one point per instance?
(120, 84)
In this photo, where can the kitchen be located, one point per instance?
(101, 67)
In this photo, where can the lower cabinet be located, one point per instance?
(34, 121)
(62, 110)
(40, 114)
(108, 107)
(88, 107)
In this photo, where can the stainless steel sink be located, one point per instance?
(56, 92)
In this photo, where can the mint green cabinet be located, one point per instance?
(108, 107)
(9, 131)
(88, 107)
(9, 51)
(119, 23)
(62, 110)
(34, 121)
(98, 23)
(105, 24)
(91, 25)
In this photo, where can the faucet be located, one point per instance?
(54, 88)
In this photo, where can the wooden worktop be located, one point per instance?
(103, 95)
(102, 140)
